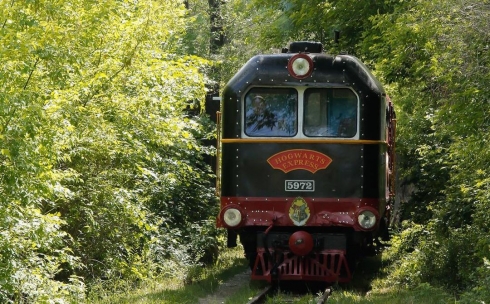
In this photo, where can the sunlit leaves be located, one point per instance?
(95, 141)
(435, 54)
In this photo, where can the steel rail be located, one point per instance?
(323, 299)
(261, 295)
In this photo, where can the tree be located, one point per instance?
(434, 55)
(98, 147)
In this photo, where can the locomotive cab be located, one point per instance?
(306, 142)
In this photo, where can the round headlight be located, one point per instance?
(366, 219)
(232, 217)
(300, 66)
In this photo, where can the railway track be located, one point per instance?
(271, 291)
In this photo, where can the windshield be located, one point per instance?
(271, 112)
(325, 112)
(330, 113)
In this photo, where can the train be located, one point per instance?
(306, 163)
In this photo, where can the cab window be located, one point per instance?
(271, 112)
(330, 112)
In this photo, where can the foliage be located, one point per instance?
(419, 255)
(101, 164)
(102, 168)
(197, 35)
(243, 23)
(296, 20)
(481, 292)
(32, 249)
(434, 54)
(433, 57)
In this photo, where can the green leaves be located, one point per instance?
(33, 249)
(95, 143)
(431, 52)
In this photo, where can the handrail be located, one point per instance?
(301, 141)
(393, 159)
(218, 153)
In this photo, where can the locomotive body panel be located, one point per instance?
(353, 171)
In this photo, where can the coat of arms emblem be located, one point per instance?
(299, 212)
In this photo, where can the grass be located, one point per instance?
(246, 293)
(368, 286)
(423, 294)
(203, 281)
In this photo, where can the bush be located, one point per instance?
(98, 149)
(33, 250)
(480, 293)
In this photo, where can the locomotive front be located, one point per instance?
(306, 148)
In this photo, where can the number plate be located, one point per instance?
(300, 185)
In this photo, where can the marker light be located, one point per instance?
(232, 217)
(300, 66)
(366, 219)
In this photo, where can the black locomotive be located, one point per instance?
(306, 176)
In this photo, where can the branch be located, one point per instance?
(30, 74)
(11, 5)
(11, 115)
(126, 61)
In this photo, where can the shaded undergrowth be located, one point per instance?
(199, 282)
